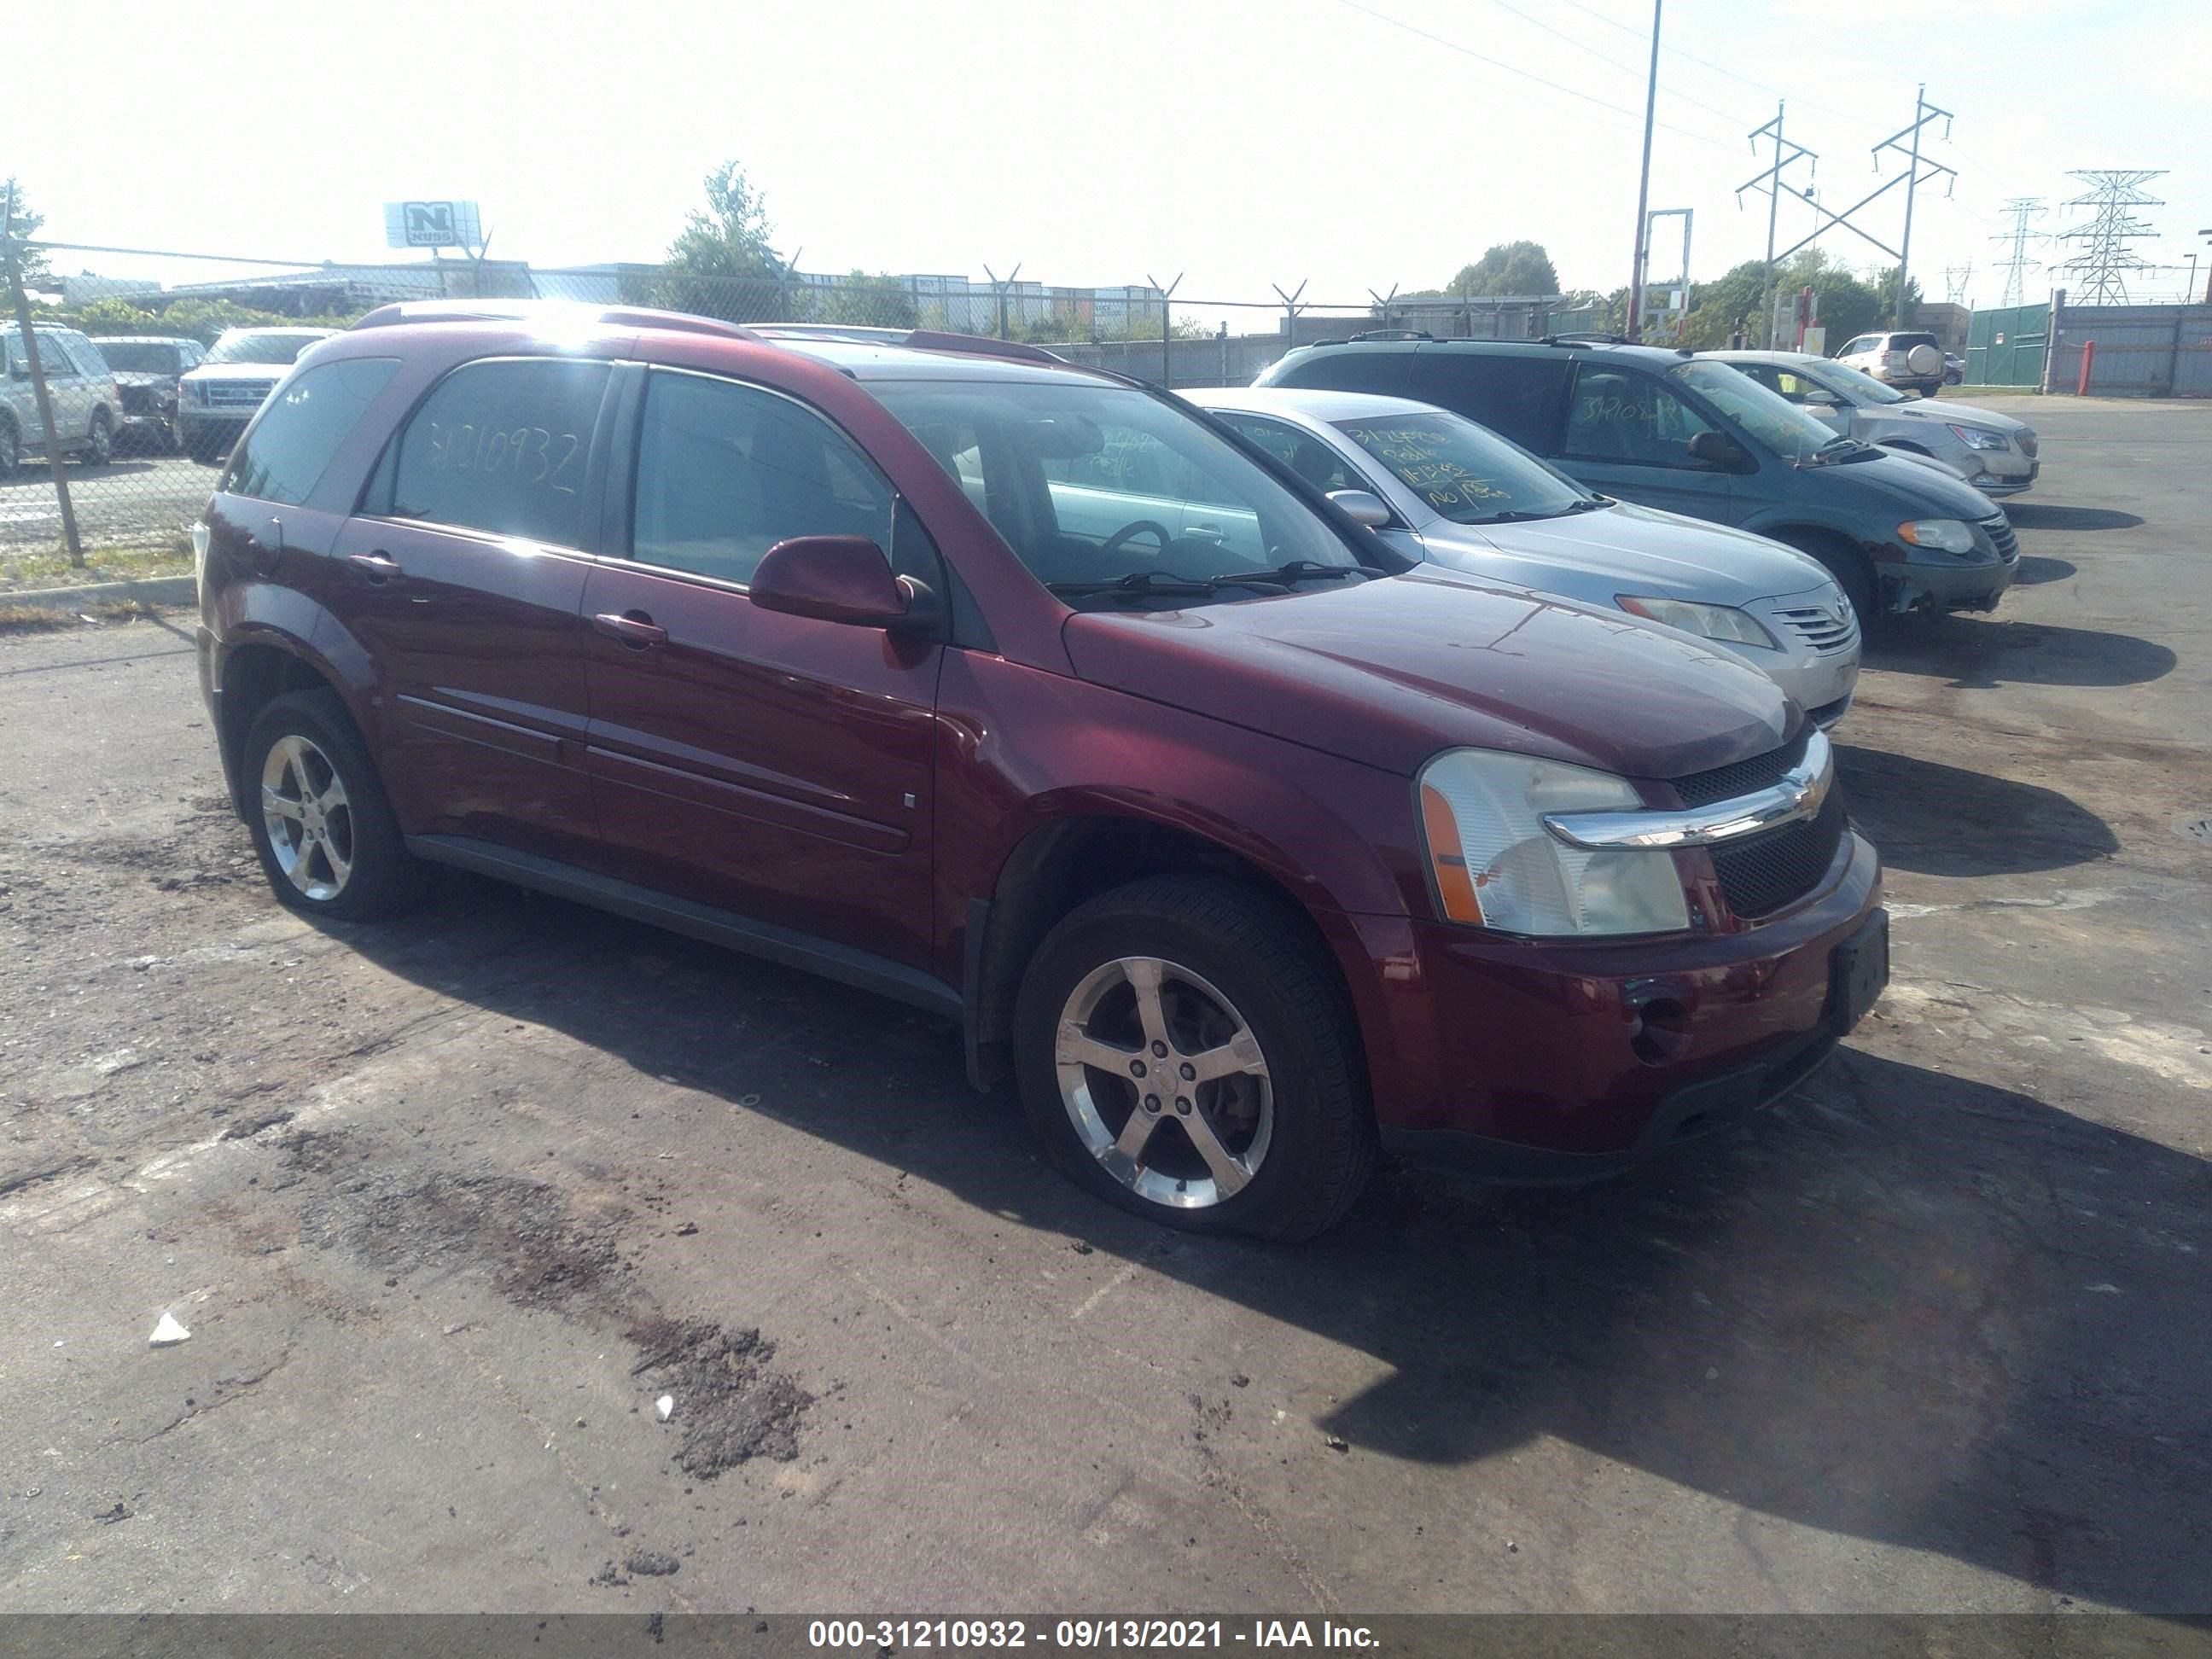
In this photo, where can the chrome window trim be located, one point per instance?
(1801, 792)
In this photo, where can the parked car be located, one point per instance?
(1910, 360)
(147, 368)
(1954, 369)
(82, 392)
(215, 400)
(1439, 487)
(1994, 453)
(1665, 429)
(1247, 846)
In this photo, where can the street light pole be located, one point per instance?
(1643, 184)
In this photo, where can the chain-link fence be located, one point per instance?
(148, 385)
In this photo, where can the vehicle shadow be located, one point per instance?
(1903, 1306)
(2036, 516)
(1980, 653)
(1946, 820)
(2035, 570)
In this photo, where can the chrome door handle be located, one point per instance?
(379, 567)
(633, 627)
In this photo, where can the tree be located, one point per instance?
(722, 263)
(1847, 303)
(1508, 268)
(24, 224)
(1885, 288)
(880, 301)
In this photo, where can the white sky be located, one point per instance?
(1240, 142)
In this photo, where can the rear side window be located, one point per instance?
(726, 472)
(501, 447)
(1520, 397)
(1349, 371)
(1304, 454)
(292, 446)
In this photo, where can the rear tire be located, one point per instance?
(1251, 1114)
(99, 442)
(321, 823)
(11, 448)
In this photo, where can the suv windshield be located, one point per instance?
(260, 348)
(1857, 384)
(1102, 485)
(1768, 415)
(1468, 475)
(139, 357)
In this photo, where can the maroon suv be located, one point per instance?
(1031, 696)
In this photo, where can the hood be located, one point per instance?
(1627, 549)
(1388, 673)
(143, 377)
(238, 372)
(1943, 413)
(1902, 483)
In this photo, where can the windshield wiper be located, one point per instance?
(1137, 581)
(1298, 570)
(1589, 504)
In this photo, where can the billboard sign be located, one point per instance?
(432, 224)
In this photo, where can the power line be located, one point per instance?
(1526, 75)
(1581, 45)
(1706, 63)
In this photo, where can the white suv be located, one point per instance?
(1910, 362)
(80, 388)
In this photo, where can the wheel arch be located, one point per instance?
(255, 672)
(1058, 865)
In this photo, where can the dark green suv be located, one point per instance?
(1696, 437)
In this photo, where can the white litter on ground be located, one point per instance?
(168, 1332)
(665, 1406)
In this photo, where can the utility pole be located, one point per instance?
(2103, 268)
(1922, 113)
(1643, 184)
(1785, 153)
(2022, 209)
(1955, 279)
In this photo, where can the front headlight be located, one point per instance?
(1945, 535)
(1495, 864)
(1975, 437)
(1714, 622)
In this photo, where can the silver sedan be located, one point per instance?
(1994, 453)
(1438, 487)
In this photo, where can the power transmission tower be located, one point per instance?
(1922, 113)
(1919, 170)
(2022, 209)
(1786, 154)
(2101, 268)
(1955, 278)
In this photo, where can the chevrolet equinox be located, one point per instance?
(1247, 847)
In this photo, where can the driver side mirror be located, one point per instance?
(841, 578)
(1718, 450)
(1361, 506)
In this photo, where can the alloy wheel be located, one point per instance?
(309, 820)
(1164, 1081)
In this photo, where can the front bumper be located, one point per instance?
(2001, 473)
(1924, 578)
(1530, 1061)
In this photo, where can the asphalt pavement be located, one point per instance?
(450, 1207)
(133, 502)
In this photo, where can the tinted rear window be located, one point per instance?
(1349, 371)
(501, 447)
(1522, 397)
(292, 445)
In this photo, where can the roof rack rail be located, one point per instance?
(921, 339)
(1586, 336)
(524, 311)
(1387, 334)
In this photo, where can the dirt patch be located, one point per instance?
(730, 1404)
(541, 1252)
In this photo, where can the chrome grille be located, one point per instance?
(1742, 777)
(1999, 530)
(1829, 629)
(239, 394)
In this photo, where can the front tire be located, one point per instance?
(1853, 571)
(1187, 1051)
(321, 823)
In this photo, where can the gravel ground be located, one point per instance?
(450, 1207)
